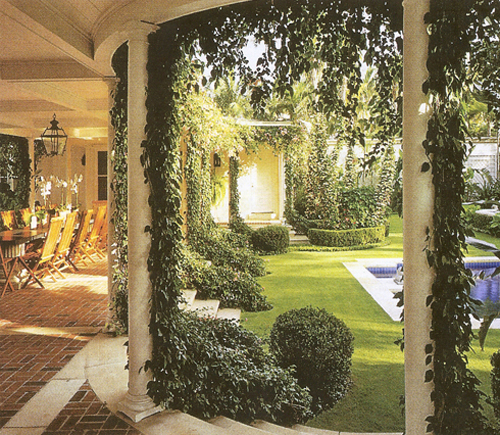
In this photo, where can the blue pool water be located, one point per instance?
(483, 290)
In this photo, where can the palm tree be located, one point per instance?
(230, 98)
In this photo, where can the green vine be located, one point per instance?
(453, 27)
(120, 191)
(167, 66)
(234, 194)
(15, 164)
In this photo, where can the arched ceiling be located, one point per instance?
(54, 57)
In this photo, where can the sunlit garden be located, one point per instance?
(299, 278)
(261, 157)
(306, 140)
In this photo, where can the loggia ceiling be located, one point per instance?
(54, 57)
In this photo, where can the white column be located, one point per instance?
(137, 404)
(111, 83)
(418, 206)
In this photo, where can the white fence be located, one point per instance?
(484, 156)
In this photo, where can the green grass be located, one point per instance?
(319, 279)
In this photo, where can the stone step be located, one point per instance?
(273, 428)
(207, 308)
(312, 430)
(177, 423)
(236, 428)
(188, 295)
(229, 313)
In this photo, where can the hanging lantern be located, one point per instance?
(217, 160)
(54, 138)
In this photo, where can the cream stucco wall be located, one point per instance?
(260, 185)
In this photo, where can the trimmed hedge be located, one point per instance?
(271, 239)
(355, 237)
(318, 347)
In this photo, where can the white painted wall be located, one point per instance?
(65, 167)
(259, 183)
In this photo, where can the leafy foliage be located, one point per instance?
(495, 382)
(321, 192)
(14, 164)
(119, 187)
(271, 239)
(318, 348)
(454, 29)
(233, 288)
(229, 250)
(358, 208)
(225, 371)
(488, 189)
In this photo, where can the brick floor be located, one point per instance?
(29, 361)
(79, 300)
(86, 415)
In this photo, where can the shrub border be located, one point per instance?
(335, 238)
(313, 248)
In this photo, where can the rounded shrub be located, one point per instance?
(319, 348)
(271, 239)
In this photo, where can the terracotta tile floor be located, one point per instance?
(29, 360)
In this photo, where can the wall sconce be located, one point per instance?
(217, 160)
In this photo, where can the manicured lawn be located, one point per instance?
(299, 279)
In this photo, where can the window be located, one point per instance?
(102, 175)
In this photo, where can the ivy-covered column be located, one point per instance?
(418, 200)
(111, 83)
(137, 404)
(31, 145)
(281, 184)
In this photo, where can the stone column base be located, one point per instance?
(138, 408)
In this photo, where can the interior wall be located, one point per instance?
(80, 159)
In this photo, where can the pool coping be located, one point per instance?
(382, 289)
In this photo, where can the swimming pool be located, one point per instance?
(382, 289)
(487, 289)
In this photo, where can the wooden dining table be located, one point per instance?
(12, 249)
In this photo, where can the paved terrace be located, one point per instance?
(41, 330)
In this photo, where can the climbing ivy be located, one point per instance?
(15, 164)
(168, 67)
(234, 194)
(119, 187)
(454, 29)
